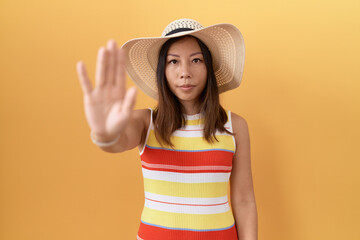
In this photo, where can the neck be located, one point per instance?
(190, 108)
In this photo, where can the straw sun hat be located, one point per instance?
(224, 41)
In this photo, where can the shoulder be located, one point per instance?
(238, 122)
(142, 113)
(240, 127)
(142, 116)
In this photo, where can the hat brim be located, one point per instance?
(224, 41)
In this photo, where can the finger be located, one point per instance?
(83, 78)
(101, 64)
(120, 78)
(111, 47)
(129, 100)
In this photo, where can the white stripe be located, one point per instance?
(194, 117)
(148, 132)
(192, 127)
(184, 200)
(229, 123)
(185, 177)
(187, 209)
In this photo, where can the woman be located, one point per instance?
(190, 147)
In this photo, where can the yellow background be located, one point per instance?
(300, 96)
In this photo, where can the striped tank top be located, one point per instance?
(186, 187)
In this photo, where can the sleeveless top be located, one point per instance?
(186, 186)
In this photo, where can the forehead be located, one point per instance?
(185, 45)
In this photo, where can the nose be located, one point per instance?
(185, 71)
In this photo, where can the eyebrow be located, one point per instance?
(175, 55)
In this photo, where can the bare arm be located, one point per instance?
(109, 107)
(241, 184)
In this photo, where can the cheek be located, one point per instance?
(170, 76)
(169, 81)
(204, 75)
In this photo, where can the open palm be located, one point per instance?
(108, 107)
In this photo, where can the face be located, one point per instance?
(185, 70)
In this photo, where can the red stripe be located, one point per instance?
(186, 204)
(148, 232)
(207, 158)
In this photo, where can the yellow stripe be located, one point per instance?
(184, 220)
(196, 190)
(195, 121)
(196, 143)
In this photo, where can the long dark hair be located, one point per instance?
(168, 115)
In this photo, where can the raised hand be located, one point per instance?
(109, 106)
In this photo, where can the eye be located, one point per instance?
(197, 60)
(172, 61)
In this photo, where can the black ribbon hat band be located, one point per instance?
(179, 30)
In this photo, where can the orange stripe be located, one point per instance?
(208, 158)
(150, 232)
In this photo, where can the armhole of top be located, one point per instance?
(231, 128)
(148, 131)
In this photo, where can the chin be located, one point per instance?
(186, 98)
(191, 96)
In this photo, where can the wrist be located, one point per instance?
(103, 141)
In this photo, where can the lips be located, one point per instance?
(187, 87)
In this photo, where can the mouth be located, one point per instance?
(187, 87)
